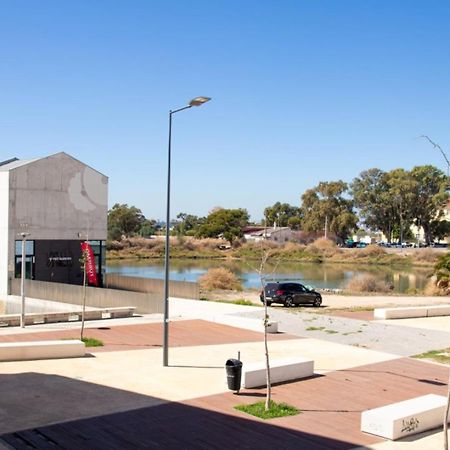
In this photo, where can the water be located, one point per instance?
(323, 276)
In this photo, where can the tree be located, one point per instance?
(430, 198)
(370, 195)
(281, 214)
(228, 223)
(187, 224)
(326, 203)
(393, 201)
(124, 220)
(148, 228)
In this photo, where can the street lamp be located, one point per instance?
(197, 101)
(23, 235)
(440, 149)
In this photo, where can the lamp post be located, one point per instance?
(22, 279)
(440, 149)
(198, 101)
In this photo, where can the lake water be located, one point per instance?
(324, 276)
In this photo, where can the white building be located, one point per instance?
(58, 201)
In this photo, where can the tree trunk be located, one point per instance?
(84, 297)
(266, 348)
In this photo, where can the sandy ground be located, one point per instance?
(337, 300)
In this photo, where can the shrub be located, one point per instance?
(371, 251)
(431, 287)
(324, 243)
(220, 278)
(367, 283)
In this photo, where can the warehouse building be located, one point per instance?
(53, 204)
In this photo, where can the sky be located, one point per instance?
(302, 92)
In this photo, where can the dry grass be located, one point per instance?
(371, 251)
(426, 255)
(220, 278)
(324, 243)
(367, 283)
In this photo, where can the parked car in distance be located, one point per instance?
(290, 294)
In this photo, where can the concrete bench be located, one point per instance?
(408, 312)
(402, 419)
(19, 351)
(254, 374)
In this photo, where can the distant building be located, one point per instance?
(59, 202)
(275, 234)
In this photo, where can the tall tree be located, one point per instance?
(430, 199)
(124, 220)
(187, 224)
(327, 203)
(370, 195)
(228, 223)
(281, 213)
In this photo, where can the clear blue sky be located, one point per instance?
(303, 91)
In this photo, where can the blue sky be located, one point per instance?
(303, 92)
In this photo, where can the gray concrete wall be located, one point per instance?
(181, 289)
(4, 220)
(97, 297)
(58, 197)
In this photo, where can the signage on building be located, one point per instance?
(59, 259)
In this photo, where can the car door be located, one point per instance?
(303, 295)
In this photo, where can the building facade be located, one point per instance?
(54, 204)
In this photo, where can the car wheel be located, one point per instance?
(269, 303)
(289, 302)
(317, 302)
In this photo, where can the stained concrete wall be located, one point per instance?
(4, 215)
(96, 297)
(58, 197)
(181, 289)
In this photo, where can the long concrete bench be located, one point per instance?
(18, 351)
(67, 316)
(402, 419)
(408, 312)
(254, 374)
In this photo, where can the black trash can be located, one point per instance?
(234, 373)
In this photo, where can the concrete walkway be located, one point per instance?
(122, 397)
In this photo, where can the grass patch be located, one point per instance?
(242, 301)
(440, 356)
(315, 328)
(275, 410)
(92, 342)
(331, 331)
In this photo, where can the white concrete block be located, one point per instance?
(438, 310)
(254, 374)
(402, 419)
(400, 313)
(18, 351)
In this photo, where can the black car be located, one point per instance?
(290, 294)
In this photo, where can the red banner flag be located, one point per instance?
(89, 263)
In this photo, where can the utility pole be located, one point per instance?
(22, 279)
(326, 227)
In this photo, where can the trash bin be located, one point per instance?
(234, 372)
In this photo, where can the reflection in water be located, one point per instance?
(331, 276)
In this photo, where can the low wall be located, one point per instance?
(180, 289)
(97, 297)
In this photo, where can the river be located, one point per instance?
(324, 276)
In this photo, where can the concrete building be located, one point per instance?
(274, 234)
(59, 202)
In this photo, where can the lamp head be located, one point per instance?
(198, 101)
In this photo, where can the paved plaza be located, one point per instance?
(120, 396)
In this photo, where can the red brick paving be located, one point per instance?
(359, 315)
(331, 409)
(130, 337)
